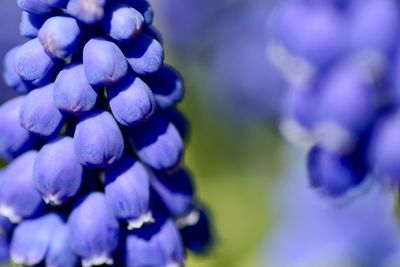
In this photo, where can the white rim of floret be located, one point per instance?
(334, 137)
(295, 69)
(98, 260)
(10, 213)
(21, 260)
(371, 62)
(146, 218)
(173, 264)
(192, 218)
(295, 133)
(52, 200)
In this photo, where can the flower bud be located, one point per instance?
(104, 62)
(14, 139)
(57, 173)
(98, 140)
(127, 191)
(131, 101)
(18, 196)
(32, 238)
(157, 142)
(93, 230)
(39, 113)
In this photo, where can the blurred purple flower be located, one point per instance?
(312, 231)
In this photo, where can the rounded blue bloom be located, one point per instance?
(32, 238)
(131, 101)
(157, 143)
(176, 191)
(197, 233)
(18, 196)
(167, 86)
(60, 36)
(145, 54)
(98, 140)
(14, 139)
(39, 113)
(122, 22)
(72, 91)
(104, 62)
(35, 6)
(33, 64)
(180, 121)
(384, 148)
(373, 25)
(335, 174)
(59, 253)
(347, 98)
(57, 172)
(318, 38)
(31, 24)
(87, 11)
(93, 230)
(10, 76)
(144, 8)
(157, 244)
(127, 190)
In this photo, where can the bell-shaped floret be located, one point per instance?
(98, 140)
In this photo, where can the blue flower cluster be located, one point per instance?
(341, 60)
(95, 142)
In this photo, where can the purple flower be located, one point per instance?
(72, 91)
(57, 173)
(157, 244)
(104, 62)
(31, 24)
(59, 253)
(127, 191)
(12, 79)
(157, 142)
(39, 7)
(33, 64)
(18, 196)
(39, 113)
(60, 36)
(87, 11)
(123, 23)
(131, 101)
(93, 230)
(167, 87)
(176, 191)
(145, 54)
(98, 140)
(335, 174)
(14, 139)
(32, 238)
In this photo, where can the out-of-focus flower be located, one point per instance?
(340, 67)
(311, 230)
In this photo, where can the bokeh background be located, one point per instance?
(245, 172)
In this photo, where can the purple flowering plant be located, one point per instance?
(94, 142)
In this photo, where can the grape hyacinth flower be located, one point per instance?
(95, 142)
(344, 106)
